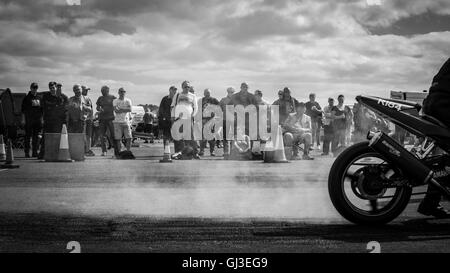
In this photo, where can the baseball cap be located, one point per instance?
(173, 88)
(85, 87)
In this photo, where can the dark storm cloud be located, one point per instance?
(416, 24)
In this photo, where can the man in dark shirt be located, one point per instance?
(32, 112)
(286, 105)
(314, 111)
(245, 99)
(207, 100)
(54, 107)
(164, 115)
(106, 116)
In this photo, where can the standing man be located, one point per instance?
(297, 128)
(122, 109)
(105, 117)
(314, 111)
(77, 112)
(89, 120)
(164, 117)
(205, 101)
(286, 105)
(187, 101)
(339, 126)
(328, 127)
(223, 104)
(54, 112)
(32, 113)
(245, 99)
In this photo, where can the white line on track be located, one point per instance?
(1, 170)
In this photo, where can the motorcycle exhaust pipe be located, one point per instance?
(412, 167)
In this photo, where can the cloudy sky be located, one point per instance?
(328, 47)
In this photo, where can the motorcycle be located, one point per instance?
(372, 182)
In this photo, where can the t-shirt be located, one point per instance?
(185, 103)
(314, 114)
(164, 112)
(125, 117)
(339, 123)
(32, 107)
(89, 105)
(76, 108)
(243, 98)
(293, 123)
(327, 121)
(54, 107)
(286, 107)
(106, 103)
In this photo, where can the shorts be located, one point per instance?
(122, 130)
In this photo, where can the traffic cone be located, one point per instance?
(2, 149)
(63, 153)
(166, 156)
(275, 154)
(9, 163)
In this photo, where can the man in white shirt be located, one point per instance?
(185, 106)
(122, 119)
(297, 128)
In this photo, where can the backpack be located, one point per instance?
(126, 155)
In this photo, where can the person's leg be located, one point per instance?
(116, 144)
(318, 128)
(103, 127)
(307, 140)
(342, 137)
(313, 131)
(28, 136)
(326, 140)
(226, 144)
(89, 125)
(212, 145)
(202, 147)
(37, 128)
(128, 136)
(288, 140)
(118, 133)
(335, 141)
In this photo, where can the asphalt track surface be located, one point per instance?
(207, 205)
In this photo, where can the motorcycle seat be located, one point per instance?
(434, 120)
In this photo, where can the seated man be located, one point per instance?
(297, 130)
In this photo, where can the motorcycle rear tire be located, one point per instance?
(335, 190)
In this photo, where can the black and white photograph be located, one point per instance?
(225, 127)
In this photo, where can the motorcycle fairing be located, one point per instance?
(402, 113)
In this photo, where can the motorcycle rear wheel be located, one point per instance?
(338, 176)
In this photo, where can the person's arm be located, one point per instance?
(195, 106)
(161, 111)
(99, 105)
